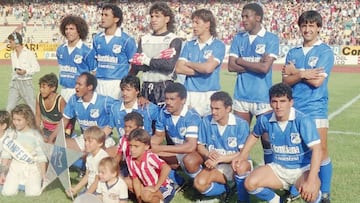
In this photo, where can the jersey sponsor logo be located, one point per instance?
(78, 59)
(252, 59)
(295, 138)
(232, 141)
(287, 158)
(87, 123)
(207, 54)
(284, 149)
(260, 48)
(68, 69)
(110, 59)
(313, 61)
(221, 151)
(116, 48)
(94, 113)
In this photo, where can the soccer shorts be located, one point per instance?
(253, 108)
(66, 93)
(200, 101)
(287, 176)
(109, 88)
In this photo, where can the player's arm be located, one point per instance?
(234, 67)
(291, 76)
(207, 67)
(244, 153)
(228, 158)
(164, 173)
(136, 67)
(187, 147)
(157, 138)
(203, 151)
(263, 66)
(137, 188)
(182, 68)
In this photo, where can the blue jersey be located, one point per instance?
(118, 112)
(71, 65)
(291, 146)
(307, 98)
(251, 86)
(187, 125)
(97, 113)
(112, 58)
(202, 82)
(230, 141)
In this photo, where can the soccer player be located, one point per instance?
(181, 124)
(307, 71)
(296, 147)
(113, 50)
(24, 66)
(74, 56)
(252, 54)
(90, 109)
(157, 54)
(200, 60)
(221, 137)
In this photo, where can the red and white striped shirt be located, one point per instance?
(123, 147)
(148, 170)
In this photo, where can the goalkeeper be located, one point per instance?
(157, 54)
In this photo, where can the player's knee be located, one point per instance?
(192, 163)
(201, 183)
(243, 167)
(250, 184)
(146, 196)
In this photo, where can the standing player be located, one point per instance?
(200, 60)
(221, 137)
(157, 54)
(307, 70)
(24, 66)
(113, 50)
(252, 54)
(74, 57)
(296, 147)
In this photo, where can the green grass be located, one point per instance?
(343, 148)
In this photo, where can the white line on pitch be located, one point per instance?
(343, 107)
(343, 133)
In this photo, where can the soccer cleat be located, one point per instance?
(290, 198)
(325, 198)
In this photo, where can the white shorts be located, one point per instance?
(66, 93)
(287, 176)
(80, 141)
(253, 108)
(200, 101)
(322, 123)
(226, 170)
(109, 88)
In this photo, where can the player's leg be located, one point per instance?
(261, 183)
(314, 198)
(210, 182)
(242, 171)
(326, 168)
(151, 197)
(192, 164)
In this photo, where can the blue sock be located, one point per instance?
(325, 175)
(243, 195)
(263, 193)
(268, 156)
(215, 189)
(293, 191)
(177, 179)
(193, 175)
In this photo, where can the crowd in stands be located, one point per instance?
(341, 23)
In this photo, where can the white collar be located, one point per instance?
(231, 121)
(93, 99)
(291, 116)
(135, 106)
(78, 44)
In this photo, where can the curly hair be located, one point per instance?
(81, 26)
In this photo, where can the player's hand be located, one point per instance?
(235, 163)
(136, 59)
(289, 69)
(213, 155)
(71, 192)
(309, 190)
(167, 53)
(266, 58)
(210, 164)
(143, 102)
(150, 189)
(312, 74)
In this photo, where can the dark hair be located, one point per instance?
(136, 117)
(222, 96)
(81, 26)
(206, 16)
(116, 11)
(5, 118)
(90, 79)
(176, 88)
(140, 135)
(279, 90)
(25, 111)
(163, 8)
(310, 17)
(132, 81)
(50, 79)
(256, 8)
(16, 37)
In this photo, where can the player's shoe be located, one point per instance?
(288, 197)
(325, 198)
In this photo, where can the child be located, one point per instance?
(4, 125)
(25, 149)
(94, 142)
(152, 184)
(111, 188)
(49, 106)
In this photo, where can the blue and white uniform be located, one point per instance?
(308, 99)
(112, 54)
(118, 112)
(290, 141)
(202, 83)
(72, 62)
(250, 86)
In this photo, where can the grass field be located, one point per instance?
(344, 134)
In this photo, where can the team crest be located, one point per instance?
(232, 141)
(207, 54)
(260, 49)
(94, 113)
(183, 131)
(78, 59)
(61, 56)
(116, 48)
(295, 138)
(313, 61)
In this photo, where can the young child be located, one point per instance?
(152, 184)
(49, 106)
(111, 188)
(94, 143)
(4, 125)
(24, 150)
